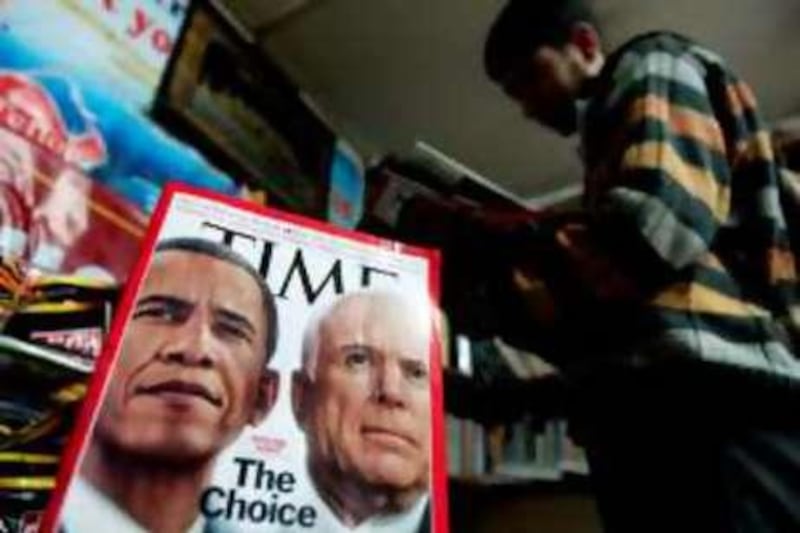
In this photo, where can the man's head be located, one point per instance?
(542, 52)
(362, 396)
(191, 371)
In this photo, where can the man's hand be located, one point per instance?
(590, 266)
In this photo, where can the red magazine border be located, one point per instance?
(77, 441)
(97, 384)
(440, 511)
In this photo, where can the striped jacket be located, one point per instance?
(683, 197)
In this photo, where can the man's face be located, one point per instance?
(546, 86)
(368, 401)
(190, 373)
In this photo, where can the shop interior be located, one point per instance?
(371, 116)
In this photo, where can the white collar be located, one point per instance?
(405, 522)
(88, 509)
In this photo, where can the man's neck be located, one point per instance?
(162, 498)
(354, 502)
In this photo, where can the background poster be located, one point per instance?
(262, 481)
(75, 76)
(123, 45)
(57, 220)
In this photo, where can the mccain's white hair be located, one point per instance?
(311, 335)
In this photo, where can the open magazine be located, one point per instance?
(264, 372)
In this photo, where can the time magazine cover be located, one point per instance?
(265, 372)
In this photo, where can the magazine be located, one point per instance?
(264, 372)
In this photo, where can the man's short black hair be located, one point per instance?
(224, 253)
(525, 25)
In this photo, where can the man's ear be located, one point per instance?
(266, 396)
(301, 392)
(586, 39)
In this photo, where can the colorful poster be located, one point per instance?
(265, 372)
(123, 45)
(55, 219)
(71, 84)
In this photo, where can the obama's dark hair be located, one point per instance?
(224, 253)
